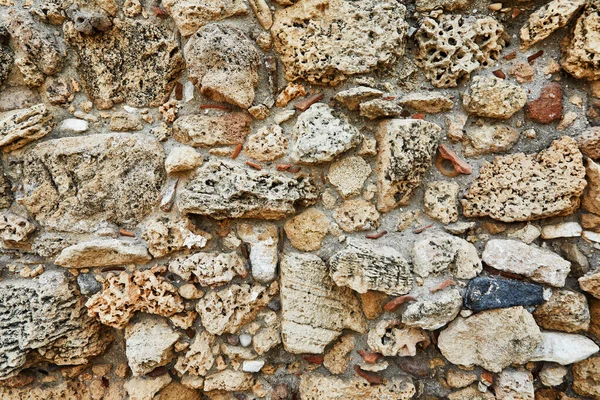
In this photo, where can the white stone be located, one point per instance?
(552, 375)
(593, 236)
(188, 92)
(263, 240)
(73, 125)
(252, 365)
(566, 229)
(514, 384)
(245, 339)
(564, 348)
(434, 311)
(283, 116)
(527, 234)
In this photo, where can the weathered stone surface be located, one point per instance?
(471, 393)
(198, 359)
(441, 201)
(591, 196)
(553, 374)
(564, 348)
(145, 388)
(14, 228)
(439, 251)
(227, 190)
(6, 196)
(320, 135)
(320, 387)
(267, 144)
(562, 230)
(591, 283)
(514, 383)
(357, 215)
(189, 15)
(493, 98)
(389, 340)
(307, 229)
(405, 152)
(336, 359)
(136, 61)
(364, 266)
(457, 378)
(20, 127)
(167, 234)
(462, 47)
(67, 390)
(213, 129)
(6, 61)
(351, 98)
(338, 38)
(148, 344)
(211, 269)
(484, 293)
(223, 64)
(547, 19)
(73, 185)
(427, 102)
(124, 294)
(492, 339)
(314, 309)
(103, 253)
(45, 315)
(589, 142)
(488, 139)
(125, 122)
(263, 239)
(348, 175)
(539, 264)
(182, 158)
(380, 108)
(434, 311)
(548, 107)
(586, 377)
(521, 187)
(581, 47)
(565, 311)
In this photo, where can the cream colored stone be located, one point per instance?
(348, 175)
(183, 158)
(357, 215)
(389, 340)
(307, 230)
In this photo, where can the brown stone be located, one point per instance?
(586, 377)
(548, 107)
(590, 222)
(565, 311)
(594, 317)
(589, 142)
(373, 302)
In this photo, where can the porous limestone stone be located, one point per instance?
(266, 144)
(581, 48)
(536, 263)
(520, 187)
(123, 121)
(263, 239)
(348, 175)
(314, 311)
(547, 19)
(591, 283)
(227, 310)
(223, 64)
(189, 15)
(514, 383)
(405, 152)
(440, 201)
(351, 98)
(439, 251)
(552, 374)
(336, 359)
(591, 196)
(564, 348)
(449, 5)
(565, 311)
(492, 97)
(20, 127)
(229, 381)
(380, 108)
(139, 388)
(364, 266)
(457, 378)
(6, 61)
(211, 269)
(356, 215)
(198, 359)
(103, 253)
(586, 377)
(427, 102)
(451, 47)
(124, 294)
(183, 158)
(74, 185)
(212, 129)
(14, 228)
(338, 38)
(434, 311)
(6, 196)
(589, 142)
(320, 135)
(136, 61)
(486, 139)
(307, 230)
(222, 189)
(269, 336)
(391, 341)
(471, 393)
(492, 339)
(148, 344)
(71, 389)
(166, 234)
(315, 386)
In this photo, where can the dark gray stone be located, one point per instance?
(88, 285)
(484, 293)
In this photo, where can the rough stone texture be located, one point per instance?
(448, 59)
(337, 38)
(548, 107)
(211, 269)
(307, 229)
(471, 393)
(165, 235)
(320, 387)
(14, 228)
(213, 129)
(29, 309)
(189, 15)
(348, 175)
(493, 98)
(484, 293)
(352, 98)
(492, 339)
(539, 264)
(198, 359)
(521, 187)
(103, 253)
(182, 158)
(320, 135)
(565, 311)
(6, 196)
(427, 102)
(449, 5)
(66, 390)
(229, 381)
(223, 64)
(589, 142)
(20, 127)
(586, 377)
(227, 190)
(580, 48)
(387, 339)
(547, 19)
(74, 185)
(489, 139)
(363, 266)
(591, 283)
(136, 61)
(433, 312)
(145, 388)
(553, 375)
(564, 348)
(441, 201)
(357, 215)
(263, 241)
(405, 152)
(514, 384)
(380, 108)
(314, 309)
(267, 144)
(591, 196)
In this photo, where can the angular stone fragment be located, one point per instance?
(548, 107)
(364, 266)
(320, 135)
(488, 139)
(45, 316)
(214, 129)
(405, 152)
(547, 19)
(227, 190)
(485, 292)
(125, 122)
(183, 158)
(103, 253)
(449, 5)
(591, 196)
(564, 348)
(139, 388)
(589, 142)
(521, 187)
(493, 98)
(552, 374)
(189, 15)
(229, 381)
(357, 215)
(581, 48)
(441, 201)
(391, 341)
(71, 389)
(267, 144)
(20, 127)
(307, 230)
(148, 344)
(451, 47)
(348, 175)
(137, 61)
(198, 359)
(211, 269)
(534, 262)
(471, 393)
(427, 102)
(124, 294)
(586, 377)
(352, 98)
(380, 108)
(263, 239)
(336, 360)
(492, 339)
(434, 311)
(440, 251)
(168, 234)
(514, 383)
(314, 309)
(565, 311)
(315, 386)
(223, 64)
(591, 283)
(14, 228)
(562, 230)
(337, 38)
